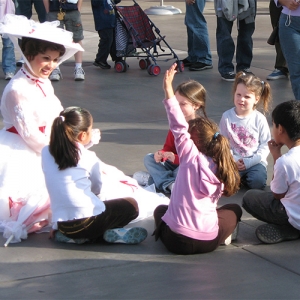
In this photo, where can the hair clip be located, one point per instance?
(63, 118)
(216, 135)
(262, 86)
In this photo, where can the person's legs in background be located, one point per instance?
(199, 54)
(8, 58)
(40, 10)
(280, 69)
(225, 49)
(106, 37)
(289, 35)
(244, 48)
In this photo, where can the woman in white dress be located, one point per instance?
(28, 107)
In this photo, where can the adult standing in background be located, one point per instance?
(289, 35)
(199, 55)
(244, 11)
(281, 70)
(24, 8)
(8, 51)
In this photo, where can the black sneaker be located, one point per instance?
(272, 234)
(186, 62)
(230, 76)
(199, 66)
(102, 65)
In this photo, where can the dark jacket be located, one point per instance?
(104, 14)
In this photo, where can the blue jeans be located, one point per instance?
(226, 47)
(24, 8)
(197, 33)
(8, 56)
(255, 177)
(289, 36)
(162, 173)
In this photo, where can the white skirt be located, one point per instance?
(21, 174)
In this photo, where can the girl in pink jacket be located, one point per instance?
(192, 223)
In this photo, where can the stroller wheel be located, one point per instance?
(120, 67)
(155, 70)
(180, 66)
(143, 64)
(149, 69)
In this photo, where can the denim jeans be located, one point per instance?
(162, 173)
(289, 35)
(226, 47)
(264, 207)
(275, 12)
(24, 8)
(255, 177)
(197, 33)
(8, 56)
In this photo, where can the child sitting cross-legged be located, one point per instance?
(280, 208)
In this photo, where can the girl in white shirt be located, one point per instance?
(73, 179)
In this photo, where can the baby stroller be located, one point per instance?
(135, 30)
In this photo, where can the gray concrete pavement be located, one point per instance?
(127, 108)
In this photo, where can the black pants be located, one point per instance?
(275, 13)
(118, 213)
(107, 45)
(229, 215)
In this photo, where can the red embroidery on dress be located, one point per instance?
(32, 31)
(37, 82)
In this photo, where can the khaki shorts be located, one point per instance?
(71, 22)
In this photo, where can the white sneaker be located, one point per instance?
(141, 177)
(232, 237)
(55, 75)
(134, 235)
(9, 76)
(79, 74)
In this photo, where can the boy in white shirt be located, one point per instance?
(280, 208)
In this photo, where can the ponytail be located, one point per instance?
(64, 136)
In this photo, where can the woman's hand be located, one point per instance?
(290, 4)
(168, 79)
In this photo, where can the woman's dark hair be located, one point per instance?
(32, 47)
(205, 135)
(64, 135)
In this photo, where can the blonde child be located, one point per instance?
(247, 129)
(163, 164)
(192, 223)
(73, 179)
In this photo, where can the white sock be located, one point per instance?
(78, 65)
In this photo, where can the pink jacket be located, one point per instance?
(192, 209)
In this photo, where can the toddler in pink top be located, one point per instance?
(192, 223)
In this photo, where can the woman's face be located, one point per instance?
(44, 63)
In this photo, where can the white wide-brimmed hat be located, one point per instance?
(15, 27)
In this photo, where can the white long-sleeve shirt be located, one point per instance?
(73, 191)
(248, 136)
